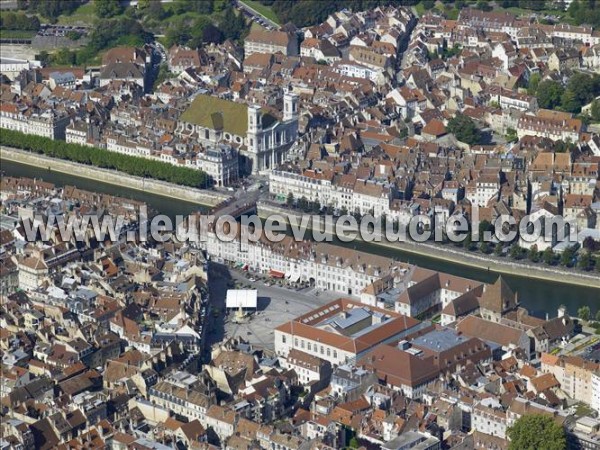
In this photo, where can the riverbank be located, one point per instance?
(539, 296)
(480, 262)
(168, 190)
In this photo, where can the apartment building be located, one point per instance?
(596, 390)
(263, 41)
(431, 291)
(550, 124)
(323, 265)
(184, 396)
(320, 49)
(362, 196)
(309, 368)
(489, 418)
(355, 69)
(577, 376)
(120, 144)
(310, 184)
(507, 98)
(51, 124)
(220, 162)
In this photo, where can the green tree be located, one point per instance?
(44, 57)
(595, 111)
(597, 264)
(548, 256)
(64, 57)
(516, 252)
(465, 130)
(107, 8)
(534, 82)
(132, 165)
(549, 94)
(566, 259)
(580, 91)
(484, 226)
(511, 135)
(569, 101)
(468, 243)
(534, 254)
(585, 261)
(74, 35)
(290, 200)
(498, 249)
(177, 35)
(232, 26)
(598, 316)
(483, 5)
(353, 443)
(535, 432)
(316, 207)
(155, 10)
(584, 313)
(303, 203)
(212, 34)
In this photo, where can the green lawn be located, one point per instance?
(262, 9)
(84, 15)
(256, 26)
(17, 34)
(583, 410)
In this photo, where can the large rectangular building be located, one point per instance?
(262, 41)
(343, 331)
(323, 265)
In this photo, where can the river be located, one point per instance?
(539, 296)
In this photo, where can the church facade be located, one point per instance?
(261, 139)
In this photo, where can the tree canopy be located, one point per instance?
(581, 89)
(585, 12)
(465, 130)
(549, 94)
(52, 9)
(312, 12)
(19, 21)
(107, 8)
(132, 165)
(534, 432)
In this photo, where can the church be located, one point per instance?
(261, 139)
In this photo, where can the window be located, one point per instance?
(206, 134)
(283, 338)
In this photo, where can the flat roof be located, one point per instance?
(244, 298)
(439, 340)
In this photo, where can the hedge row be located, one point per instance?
(94, 156)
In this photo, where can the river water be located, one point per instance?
(539, 296)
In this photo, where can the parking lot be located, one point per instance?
(276, 305)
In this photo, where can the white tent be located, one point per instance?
(241, 298)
